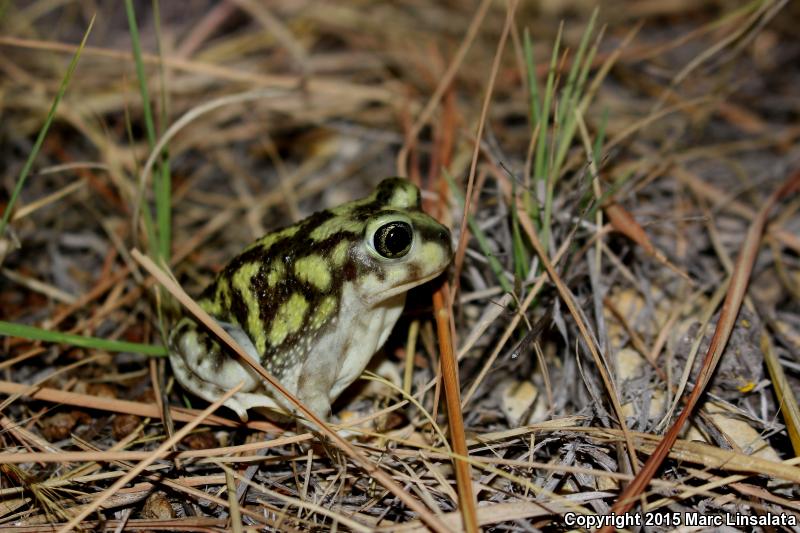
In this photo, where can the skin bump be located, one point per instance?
(336, 225)
(288, 319)
(323, 312)
(276, 272)
(339, 254)
(314, 270)
(405, 197)
(243, 281)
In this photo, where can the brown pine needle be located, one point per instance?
(115, 405)
(455, 419)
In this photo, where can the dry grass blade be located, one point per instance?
(705, 454)
(27, 209)
(139, 468)
(727, 319)
(198, 524)
(719, 199)
(325, 88)
(382, 477)
(114, 405)
(233, 501)
(38, 286)
(212, 454)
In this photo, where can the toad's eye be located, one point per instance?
(393, 239)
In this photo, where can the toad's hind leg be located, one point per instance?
(202, 368)
(203, 389)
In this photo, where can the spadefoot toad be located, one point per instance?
(312, 302)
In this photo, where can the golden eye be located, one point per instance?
(393, 239)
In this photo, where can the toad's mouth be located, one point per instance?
(394, 291)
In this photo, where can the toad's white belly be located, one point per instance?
(331, 362)
(365, 334)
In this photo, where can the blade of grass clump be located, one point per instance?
(571, 95)
(541, 115)
(551, 153)
(37, 334)
(37, 145)
(532, 207)
(565, 119)
(162, 182)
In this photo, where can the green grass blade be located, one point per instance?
(540, 166)
(162, 185)
(533, 84)
(571, 97)
(26, 168)
(573, 85)
(587, 64)
(544, 156)
(532, 207)
(33, 333)
(150, 128)
(597, 149)
(520, 254)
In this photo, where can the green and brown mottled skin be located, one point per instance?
(311, 302)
